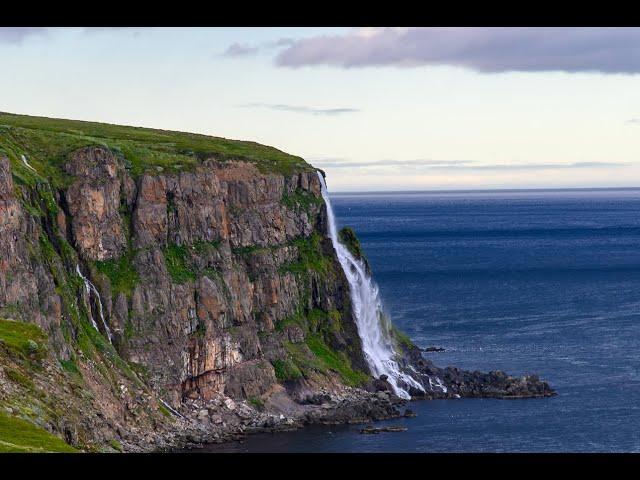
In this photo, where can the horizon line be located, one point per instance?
(482, 190)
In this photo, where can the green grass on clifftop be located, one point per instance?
(48, 141)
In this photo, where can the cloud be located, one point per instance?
(342, 163)
(17, 35)
(489, 50)
(240, 50)
(243, 49)
(302, 109)
(546, 166)
(462, 165)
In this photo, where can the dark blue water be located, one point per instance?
(545, 283)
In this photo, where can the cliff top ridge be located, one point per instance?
(46, 143)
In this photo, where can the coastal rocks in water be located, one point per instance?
(408, 413)
(433, 349)
(452, 382)
(355, 406)
(369, 429)
(496, 384)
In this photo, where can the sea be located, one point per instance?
(537, 281)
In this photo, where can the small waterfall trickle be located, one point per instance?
(26, 163)
(171, 409)
(91, 288)
(373, 327)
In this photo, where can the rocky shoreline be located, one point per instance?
(223, 420)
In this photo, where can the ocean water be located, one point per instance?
(525, 282)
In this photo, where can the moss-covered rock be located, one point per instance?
(348, 237)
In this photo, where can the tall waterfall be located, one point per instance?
(373, 327)
(91, 288)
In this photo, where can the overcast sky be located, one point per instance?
(378, 109)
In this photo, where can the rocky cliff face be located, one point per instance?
(213, 301)
(212, 282)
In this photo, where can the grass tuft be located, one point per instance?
(286, 370)
(121, 273)
(176, 260)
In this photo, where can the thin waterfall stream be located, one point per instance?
(27, 164)
(91, 288)
(374, 328)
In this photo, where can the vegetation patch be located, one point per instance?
(17, 435)
(401, 338)
(348, 237)
(70, 366)
(116, 445)
(176, 260)
(25, 339)
(243, 251)
(121, 274)
(164, 410)
(286, 370)
(16, 376)
(296, 319)
(256, 402)
(310, 256)
(336, 361)
(300, 199)
(202, 246)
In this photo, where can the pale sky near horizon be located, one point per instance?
(377, 109)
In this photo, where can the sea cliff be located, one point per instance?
(161, 289)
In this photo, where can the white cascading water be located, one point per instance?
(171, 409)
(373, 327)
(24, 160)
(91, 288)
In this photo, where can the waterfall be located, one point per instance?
(374, 328)
(24, 160)
(171, 409)
(91, 288)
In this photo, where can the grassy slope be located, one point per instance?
(21, 338)
(48, 141)
(26, 343)
(17, 435)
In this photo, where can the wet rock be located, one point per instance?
(375, 430)
(316, 399)
(384, 396)
(433, 349)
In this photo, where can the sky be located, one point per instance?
(376, 108)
